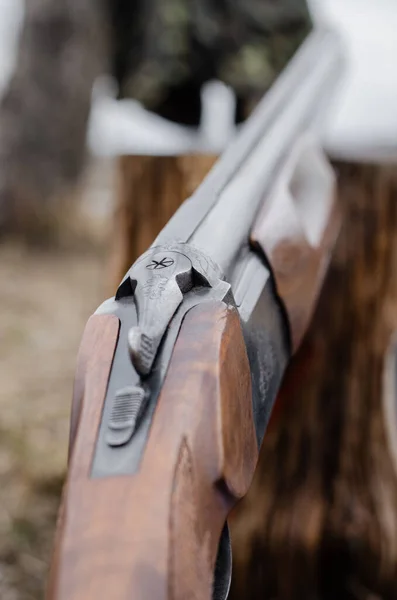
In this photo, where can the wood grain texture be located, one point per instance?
(320, 520)
(154, 535)
(149, 191)
(94, 361)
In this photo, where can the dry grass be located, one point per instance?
(45, 300)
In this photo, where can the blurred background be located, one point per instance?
(46, 295)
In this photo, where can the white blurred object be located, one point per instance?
(364, 120)
(125, 127)
(11, 15)
(217, 125)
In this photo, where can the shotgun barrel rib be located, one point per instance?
(177, 374)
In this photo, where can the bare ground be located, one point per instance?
(45, 300)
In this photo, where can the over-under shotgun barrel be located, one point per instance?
(177, 374)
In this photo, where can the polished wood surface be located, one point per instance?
(93, 365)
(155, 535)
(92, 373)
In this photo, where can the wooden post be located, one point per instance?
(320, 520)
(150, 190)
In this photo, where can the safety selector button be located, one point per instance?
(128, 407)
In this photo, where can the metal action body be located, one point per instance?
(178, 373)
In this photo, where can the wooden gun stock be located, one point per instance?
(146, 524)
(155, 535)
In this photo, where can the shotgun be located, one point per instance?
(178, 373)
